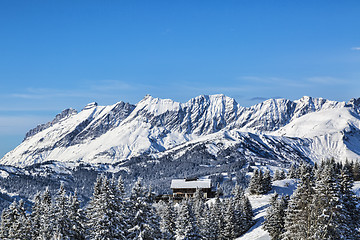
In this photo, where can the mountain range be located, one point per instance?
(281, 130)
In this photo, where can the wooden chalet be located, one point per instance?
(185, 188)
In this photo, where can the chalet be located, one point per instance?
(185, 188)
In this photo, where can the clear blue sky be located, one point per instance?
(60, 54)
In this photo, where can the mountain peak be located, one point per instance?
(90, 105)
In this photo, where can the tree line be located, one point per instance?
(113, 214)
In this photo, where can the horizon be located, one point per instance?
(58, 55)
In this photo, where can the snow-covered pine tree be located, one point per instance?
(216, 215)
(209, 225)
(330, 217)
(299, 217)
(145, 224)
(198, 206)
(61, 222)
(104, 217)
(260, 182)
(266, 184)
(356, 171)
(282, 174)
(292, 171)
(35, 216)
(276, 175)
(8, 216)
(255, 182)
(186, 228)
(240, 218)
(248, 212)
(167, 222)
(77, 218)
(229, 232)
(350, 203)
(275, 217)
(46, 230)
(14, 222)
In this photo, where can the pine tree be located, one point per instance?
(299, 217)
(229, 232)
(279, 175)
(255, 182)
(35, 216)
(77, 218)
(330, 217)
(145, 224)
(14, 222)
(248, 212)
(276, 175)
(350, 203)
(356, 171)
(198, 206)
(292, 172)
(209, 225)
(266, 182)
(61, 222)
(240, 218)
(105, 220)
(167, 222)
(186, 228)
(46, 230)
(216, 215)
(275, 217)
(260, 182)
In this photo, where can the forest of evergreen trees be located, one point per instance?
(111, 214)
(322, 207)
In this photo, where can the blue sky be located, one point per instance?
(60, 54)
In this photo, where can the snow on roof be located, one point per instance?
(182, 183)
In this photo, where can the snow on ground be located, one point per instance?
(260, 203)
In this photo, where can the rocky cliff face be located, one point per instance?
(111, 134)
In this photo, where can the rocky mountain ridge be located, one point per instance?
(115, 133)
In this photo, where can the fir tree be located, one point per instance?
(330, 217)
(275, 217)
(299, 217)
(248, 212)
(14, 222)
(145, 223)
(105, 220)
(186, 228)
(76, 217)
(209, 225)
(277, 175)
(198, 206)
(350, 203)
(46, 230)
(61, 222)
(240, 218)
(229, 232)
(167, 223)
(255, 182)
(260, 183)
(292, 172)
(266, 183)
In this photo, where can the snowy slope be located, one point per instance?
(260, 203)
(110, 134)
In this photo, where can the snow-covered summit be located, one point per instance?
(114, 133)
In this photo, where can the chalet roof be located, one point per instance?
(184, 183)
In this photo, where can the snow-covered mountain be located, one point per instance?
(312, 128)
